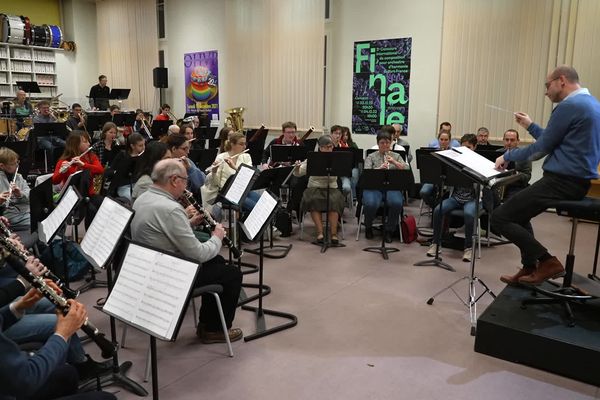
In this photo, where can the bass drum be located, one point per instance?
(13, 29)
(56, 36)
(38, 35)
(48, 35)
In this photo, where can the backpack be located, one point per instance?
(409, 229)
(283, 222)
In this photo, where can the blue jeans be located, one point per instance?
(373, 199)
(250, 201)
(469, 210)
(37, 325)
(428, 192)
(349, 183)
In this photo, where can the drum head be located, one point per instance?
(56, 36)
(15, 29)
(48, 36)
(38, 34)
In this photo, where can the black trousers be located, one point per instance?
(62, 385)
(512, 217)
(217, 271)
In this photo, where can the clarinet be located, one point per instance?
(68, 292)
(18, 263)
(209, 222)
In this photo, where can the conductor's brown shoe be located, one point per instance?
(235, 334)
(549, 269)
(514, 279)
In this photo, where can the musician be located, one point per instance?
(163, 113)
(224, 134)
(383, 158)
(76, 120)
(14, 204)
(187, 130)
(141, 124)
(160, 221)
(287, 138)
(173, 130)
(461, 197)
(180, 148)
(511, 141)
(391, 131)
(21, 108)
(347, 137)
(482, 136)
(99, 94)
(106, 148)
(314, 198)
(444, 142)
(122, 168)
(571, 142)
(397, 140)
(226, 164)
(70, 162)
(348, 183)
(153, 153)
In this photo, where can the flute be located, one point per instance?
(217, 165)
(66, 165)
(17, 262)
(12, 184)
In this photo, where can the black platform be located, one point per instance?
(539, 336)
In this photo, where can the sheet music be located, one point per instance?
(50, 225)
(476, 162)
(151, 290)
(240, 183)
(105, 231)
(68, 183)
(259, 215)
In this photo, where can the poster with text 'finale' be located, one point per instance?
(201, 71)
(380, 85)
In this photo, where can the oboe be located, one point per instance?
(17, 262)
(6, 233)
(209, 222)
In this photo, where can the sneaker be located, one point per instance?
(91, 369)
(235, 334)
(468, 254)
(431, 251)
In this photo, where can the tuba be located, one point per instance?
(235, 120)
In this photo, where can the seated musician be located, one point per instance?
(372, 199)
(397, 139)
(21, 108)
(348, 183)
(71, 161)
(444, 142)
(173, 130)
(461, 197)
(347, 137)
(106, 148)
(314, 198)
(224, 135)
(391, 131)
(441, 142)
(160, 221)
(483, 135)
(511, 141)
(287, 138)
(141, 124)
(187, 130)
(122, 168)
(226, 164)
(154, 152)
(163, 113)
(46, 143)
(14, 204)
(180, 148)
(76, 121)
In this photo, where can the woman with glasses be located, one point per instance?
(180, 148)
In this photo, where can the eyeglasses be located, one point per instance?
(547, 84)
(185, 178)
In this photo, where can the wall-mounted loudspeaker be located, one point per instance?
(161, 77)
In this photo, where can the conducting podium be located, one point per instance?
(467, 167)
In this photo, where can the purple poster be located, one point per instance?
(201, 71)
(380, 86)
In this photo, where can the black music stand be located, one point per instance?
(205, 132)
(160, 128)
(50, 129)
(488, 147)
(95, 120)
(255, 143)
(261, 216)
(124, 118)
(272, 179)
(203, 158)
(329, 164)
(119, 95)
(385, 180)
(463, 172)
(284, 154)
(29, 87)
(40, 203)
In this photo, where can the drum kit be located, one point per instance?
(19, 30)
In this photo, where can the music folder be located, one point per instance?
(48, 227)
(238, 187)
(260, 216)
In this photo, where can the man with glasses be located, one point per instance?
(483, 135)
(160, 221)
(571, 141)
(76, 120)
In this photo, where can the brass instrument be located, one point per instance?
(61, 114)
(235, 120)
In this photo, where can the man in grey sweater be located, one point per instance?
(161, 222)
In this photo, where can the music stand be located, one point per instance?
(160, 128)
(488, 147)
(253, 227)
(489, 154)
(40, 203)
(205, 132)
(159, 313)
(281, 153)
(310, 144)
(329, 164)
(255, 143)
(203, 158)
(51, 129)
(29, 87)
(357, 154)
(474, 168)
(385, 180)
(95, 120)
(124, 119)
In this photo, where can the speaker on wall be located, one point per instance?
(161, 77)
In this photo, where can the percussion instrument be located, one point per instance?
(38, 35)
(56, 36)
(13, 29)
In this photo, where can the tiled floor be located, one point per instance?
(364, 331)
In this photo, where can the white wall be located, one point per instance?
(356, 20)
(192, 26)
(78, 71)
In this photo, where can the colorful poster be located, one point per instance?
(380, 85)
(201, 72)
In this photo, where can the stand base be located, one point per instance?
(117, 378)
(594, 277)
(249, 268)
(435, 262)
(264, 289)
(383, 250)
(269, 251)
(326, 245)
(261, 329)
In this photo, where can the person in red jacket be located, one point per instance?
(75, 158)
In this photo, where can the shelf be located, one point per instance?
(22, 46)
(44, 61)
(43, 73)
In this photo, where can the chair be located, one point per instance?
(379, 213)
